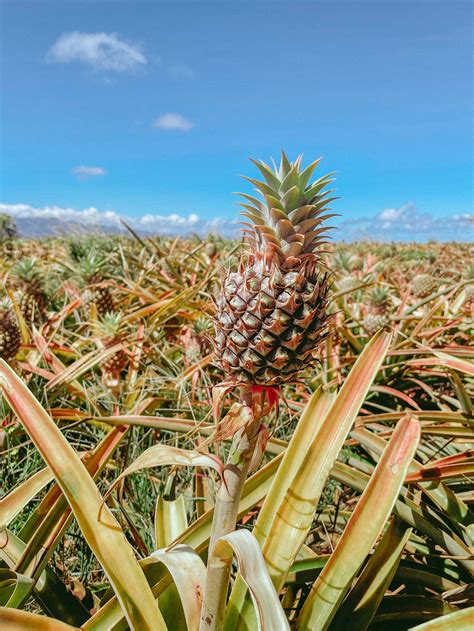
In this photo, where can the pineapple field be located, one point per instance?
(208, 434)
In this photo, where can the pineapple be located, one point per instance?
(195, 340)
(29, 290)
(110, 332)
(374, 321)
(423, 285)
(378, 311)
(92, 272)
(272, 312)
(379, 299)
(10, 337)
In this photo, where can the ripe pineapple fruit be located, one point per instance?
(29, 290)
(423, 285)
(10, 337)
(272, 312)
(110, 332)
(92, 273)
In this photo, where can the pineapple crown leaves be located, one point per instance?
(6, 306)
(344, 261)
(288, 219)
(91, 265)
(111, 324)
(379, 295)
(27, 270)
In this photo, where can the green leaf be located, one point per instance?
(364, 598)
(14, 588)
(289, 507)
(457, 621)
(363, 528)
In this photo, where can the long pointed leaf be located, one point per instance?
(105, 537)
(363, 528)
(289, 507)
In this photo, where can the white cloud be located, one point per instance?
(173, 122)
(48, 217)
(395, 224)
(407, 223)
(84, 173)
(101, 51)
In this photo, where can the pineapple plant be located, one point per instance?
(379, 300)
(194, 339)
(272, 312)
(28, 283)
(343, 261)
(10, 337)
(378, 316)
(423, 285)
(92, 274)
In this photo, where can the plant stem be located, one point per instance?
(225, 519)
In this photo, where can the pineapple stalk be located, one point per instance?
(271, 318)
(225, 517)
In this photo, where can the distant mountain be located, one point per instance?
(404, 223)
(36, 222)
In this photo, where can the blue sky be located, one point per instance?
(152, 108)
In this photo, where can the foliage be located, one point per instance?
(8, 229)
(360, 511)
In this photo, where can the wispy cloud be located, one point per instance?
(407, 223)
(101, 51)
(84, 172)
(173, 122)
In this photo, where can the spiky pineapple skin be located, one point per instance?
(10, 337)
(269, 322)
(373, 322)
(116, 362)
(423, 285)
(101, 296)
(29, 292)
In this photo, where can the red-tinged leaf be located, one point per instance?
(442, 359)
(105, 537)
(442, 472)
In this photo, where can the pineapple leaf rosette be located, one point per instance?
(272, 312)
